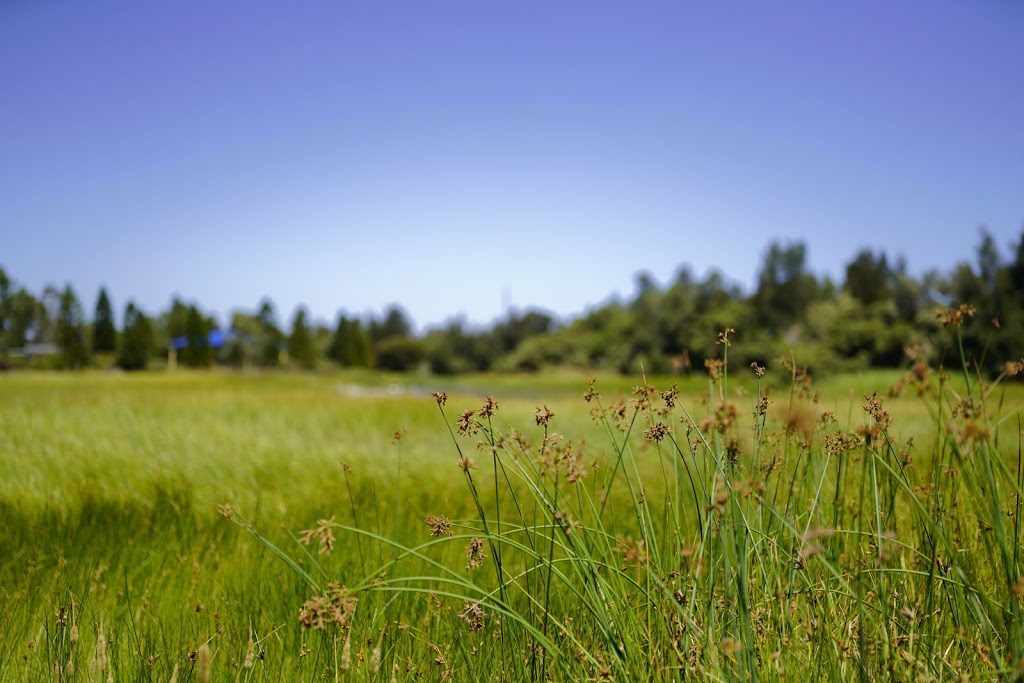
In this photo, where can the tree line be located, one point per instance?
(870, 319)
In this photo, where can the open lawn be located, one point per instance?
(151, 527)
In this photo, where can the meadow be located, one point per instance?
(195, 526)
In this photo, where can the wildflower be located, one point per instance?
(475, 553)
(591, 393)
(440, 525)
(473, 615)
(758, 370)
(441, 397)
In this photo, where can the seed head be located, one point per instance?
(322, 532)
(489, 408)
(346, 652)
(440, 525)
(250, 652)
(440, 397)
(375, 659)
(954, 317)
(542, 416)
(475, 553)
(204, 664)
(467, 424)
(657, 432)
(473, 615)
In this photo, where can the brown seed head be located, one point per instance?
(489, 408)
(440, 525)
(542, 416)
(467, 425)
(475, 553)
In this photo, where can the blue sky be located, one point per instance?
(462, 157)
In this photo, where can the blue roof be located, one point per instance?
(216, 339)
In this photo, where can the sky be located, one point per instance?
(463, 158)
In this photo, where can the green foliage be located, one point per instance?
(104, 334)
(785, 288)
(70, 331)
(272, 339)
(136, 341)
(350, 346)
(867, 278)
(300, 343)
(395, 324)
(869, 320)
(197, 352)
(400, 354)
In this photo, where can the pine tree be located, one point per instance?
(197, 353)
(136, 341)
(271, 335)
(104, 334)
(336, 349)
(70, 330)
(300, 343)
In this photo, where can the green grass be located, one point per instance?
(763, 554)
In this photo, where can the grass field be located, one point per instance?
(151, 528)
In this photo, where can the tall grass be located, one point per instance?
(743, 526)
(700, 541)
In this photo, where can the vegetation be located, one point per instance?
(743, 525)
(867, 321)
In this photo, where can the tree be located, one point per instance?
(785, 288)
(136, 341)
(395, 324)
(104, 334)
(22, 312)
(400, 354)
(5, 311)
(272, 337)
(868, 278)
(70, 330)
(197, 352)
(350, 346)
(300, 342)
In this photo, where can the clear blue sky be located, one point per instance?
(460, 157)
